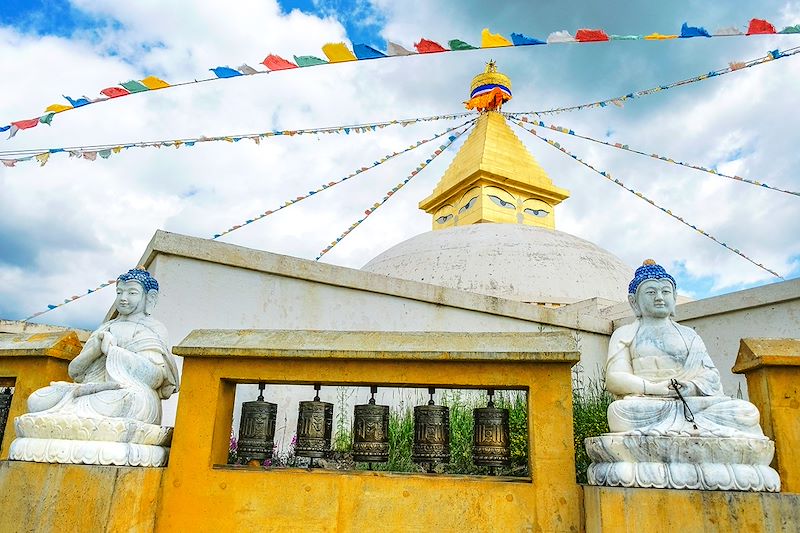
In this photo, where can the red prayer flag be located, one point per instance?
(114, 92)
(274, 62)
(25, 124)
(584, 36)
(424, 46)
(760, 27)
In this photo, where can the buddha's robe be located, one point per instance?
(675, 352)
(129, 382)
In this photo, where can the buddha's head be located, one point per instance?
(137, 292)
(651, 293)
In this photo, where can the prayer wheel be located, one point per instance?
(314, 428)
(371, 431)
(257, 429)
(5, 408)
(491, 445)
(431, 433)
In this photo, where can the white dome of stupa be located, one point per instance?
(512, 261)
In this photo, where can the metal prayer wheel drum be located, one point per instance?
(431, 433)
(491, 445)
(371, 433)
(257, 429)
(314, 428)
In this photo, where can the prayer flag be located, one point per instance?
(114, 92)
(151, 82)
(246, 69)
(585, 36)
(273, 62)
(26, 124)
(424, 46)
(521, 40)
(760, 27)
(730, 30)
(692, 31)
(395, 49)
(57, 108)
(77, 102)
(659, 37)
(47, 119)
(791, 29)
(562, 36)
(363, 51)
(225, 72)
(134, 86)
(309, 61)
(493, 40)
(337, 52)
(458, 44)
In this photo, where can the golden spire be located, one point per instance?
(493, 177)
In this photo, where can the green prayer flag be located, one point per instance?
(134, 86)
(308, 61)
(458, 44)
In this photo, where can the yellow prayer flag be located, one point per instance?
(57, 108)
(338, 52)
(493, 40)
(117, 149)
(151, 82)
(659, 37)
(42, 158)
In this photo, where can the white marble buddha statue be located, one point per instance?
(125, 369)
(662, 371)
(111, 414)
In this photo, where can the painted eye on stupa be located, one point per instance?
(442, 220)
(537, 212)
(468, 205)
(502, 203)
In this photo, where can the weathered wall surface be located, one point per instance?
(610, 510)
(214, 285)
(45, 498)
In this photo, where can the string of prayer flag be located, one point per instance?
(394, 189)
(336, 182)
(339, 53)
(627, 148)
(680, 219)
(42, 155)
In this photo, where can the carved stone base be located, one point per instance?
(705, 463)
(59, 438)
(87, 452)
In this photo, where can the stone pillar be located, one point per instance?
(772, 369)
(29, 361)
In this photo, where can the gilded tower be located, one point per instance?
(493, 178)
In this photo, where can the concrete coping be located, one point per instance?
(759, 353)
(196, 248)
(57, 344)
(549, 347)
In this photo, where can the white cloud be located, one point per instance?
(90, 221)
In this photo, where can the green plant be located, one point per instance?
(343, 436)
(590, 403)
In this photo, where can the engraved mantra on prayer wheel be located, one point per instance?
(431, 433)
(314, 428)
(371, 432)
(490, 438)
(257, 428)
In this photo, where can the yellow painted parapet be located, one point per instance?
(29, 361)
(50, 498)
(202, 494)
(772, 368)
(612, 509)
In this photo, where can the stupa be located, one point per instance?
(493, 218)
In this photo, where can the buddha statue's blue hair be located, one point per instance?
(649, 270)
(141, 275)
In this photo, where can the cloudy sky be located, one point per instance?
(72, 224)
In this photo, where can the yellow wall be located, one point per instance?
(772, 368)
(612, 510)
(49, 498)
(285, 499)
(29, 362)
